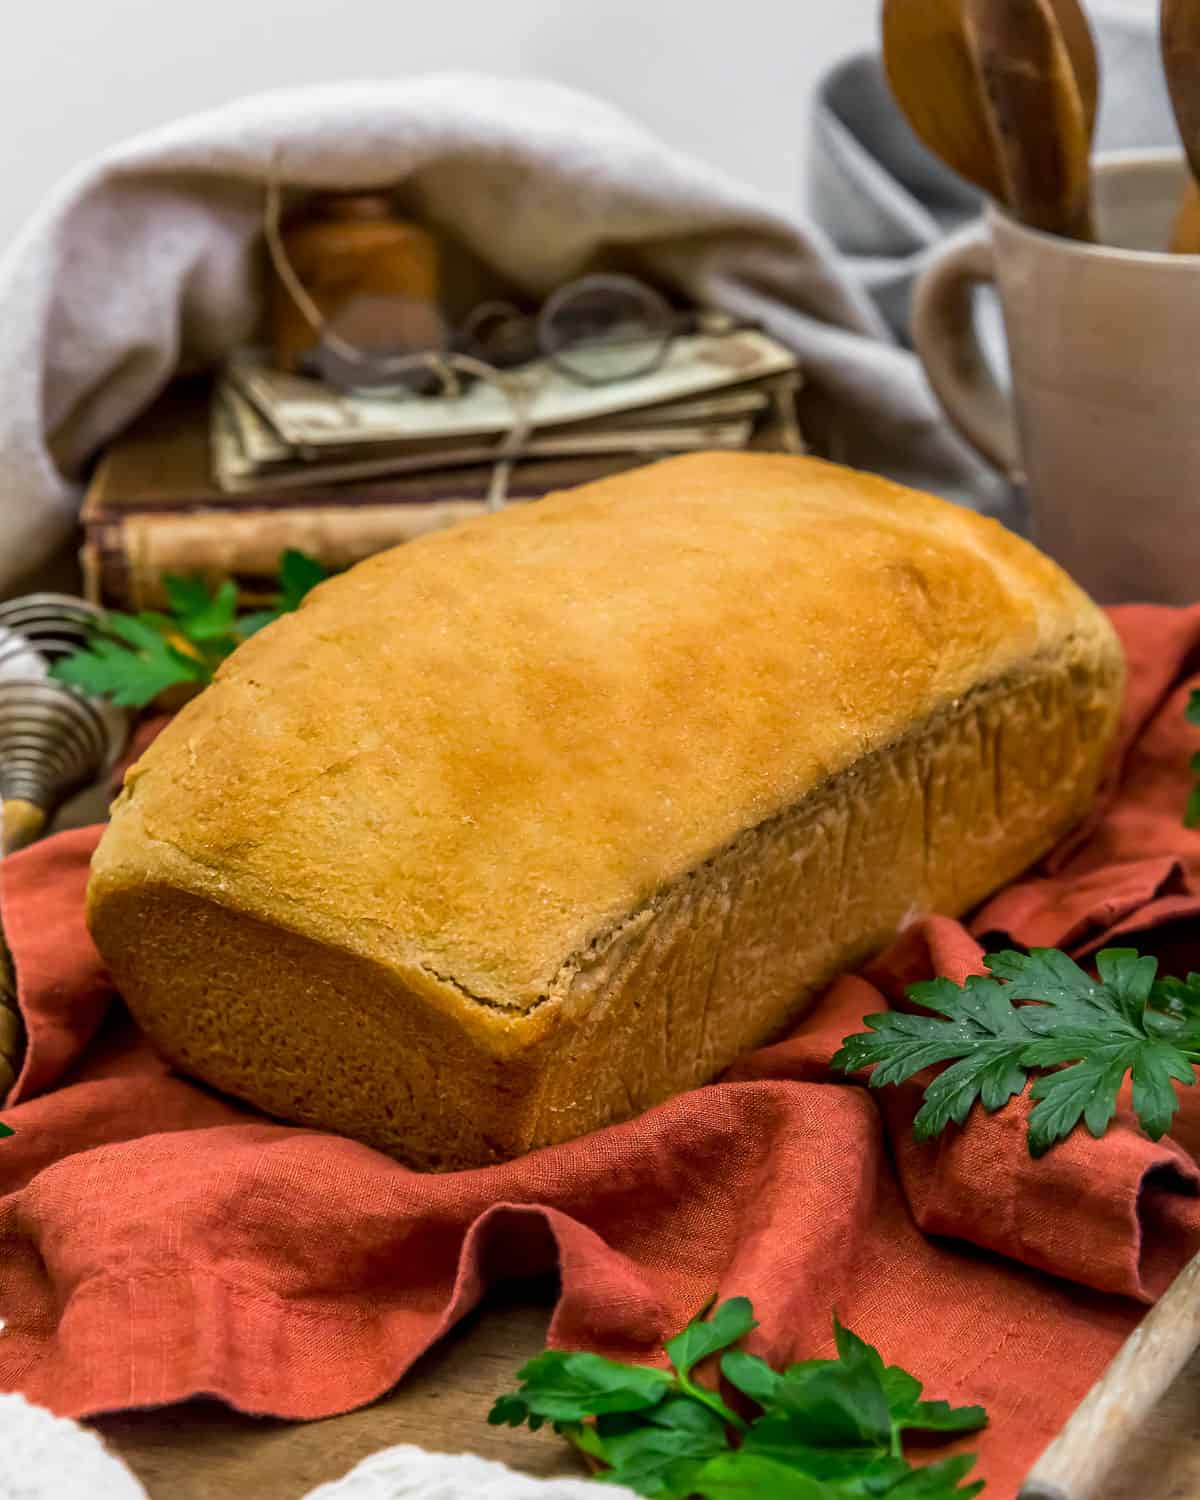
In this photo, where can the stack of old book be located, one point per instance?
(220, 478)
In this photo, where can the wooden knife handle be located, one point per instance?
(1078, 1462)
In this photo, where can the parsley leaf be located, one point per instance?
(851, 1410)
(834, 1403)
(741, 1474)
(1178, 999)
(199, 615)
(826, 1429)
(251, 624)
(6, 1130)
(939, 1481)
(731, 1321)
(298, 574)
(734, 1475)
(1041, 1010)
(132, 669)
(661, 1451)
(132, 659)
(902, 1392)
(563, 1387)
(751, 1375)
(982, 1031)
(1192, 816)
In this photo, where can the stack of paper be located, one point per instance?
(273, 431)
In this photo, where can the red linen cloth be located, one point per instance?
(160, 1241)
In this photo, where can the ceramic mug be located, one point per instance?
(1102, 429)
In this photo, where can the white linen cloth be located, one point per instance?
(44, 1457)
(409, 1473)
(147, 259)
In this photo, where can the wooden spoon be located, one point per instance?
(1036, 114)
(1078, 1463)
(932, 73)
(932, 76)
(1181, 63)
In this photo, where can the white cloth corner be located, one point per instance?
(408, 1473)
(44, 1457)
(147, 259)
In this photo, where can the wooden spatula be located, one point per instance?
(1181, 63)
(933, 75)
(1079, 1462)
(1040, 125)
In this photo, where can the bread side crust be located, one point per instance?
(720, 961)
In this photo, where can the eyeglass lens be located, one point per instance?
(605, 328)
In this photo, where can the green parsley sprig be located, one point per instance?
(132, 659)
(1040, 1010)
(825, 1429)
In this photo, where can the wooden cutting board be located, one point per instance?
(203, 1451)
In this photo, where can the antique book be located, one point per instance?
(154, 505)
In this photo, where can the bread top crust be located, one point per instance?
(472, 755)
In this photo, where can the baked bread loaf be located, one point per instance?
(523, 827)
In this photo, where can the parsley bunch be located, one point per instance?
(133, 658)
(826, 1429)
(1041, 1010)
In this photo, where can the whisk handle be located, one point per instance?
(22, 823)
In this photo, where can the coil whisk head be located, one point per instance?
(53, 740)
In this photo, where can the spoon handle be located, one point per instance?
(1036, 113)
(1179, 32)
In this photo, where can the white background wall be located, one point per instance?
(726, 79)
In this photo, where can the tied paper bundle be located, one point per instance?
(144, 1216)
(274, 431)
(353, 477)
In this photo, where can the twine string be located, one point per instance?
(442, 363)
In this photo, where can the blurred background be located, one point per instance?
(727, 82)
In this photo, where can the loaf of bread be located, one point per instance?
(520, 829)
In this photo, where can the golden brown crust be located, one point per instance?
(473, 753)
(481, 768)
(720, 962)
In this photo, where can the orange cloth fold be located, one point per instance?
(161, 1241)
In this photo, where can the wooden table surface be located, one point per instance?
(203, 1451)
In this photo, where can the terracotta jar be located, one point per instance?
(353, 254)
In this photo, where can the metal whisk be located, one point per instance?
(53, 740)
